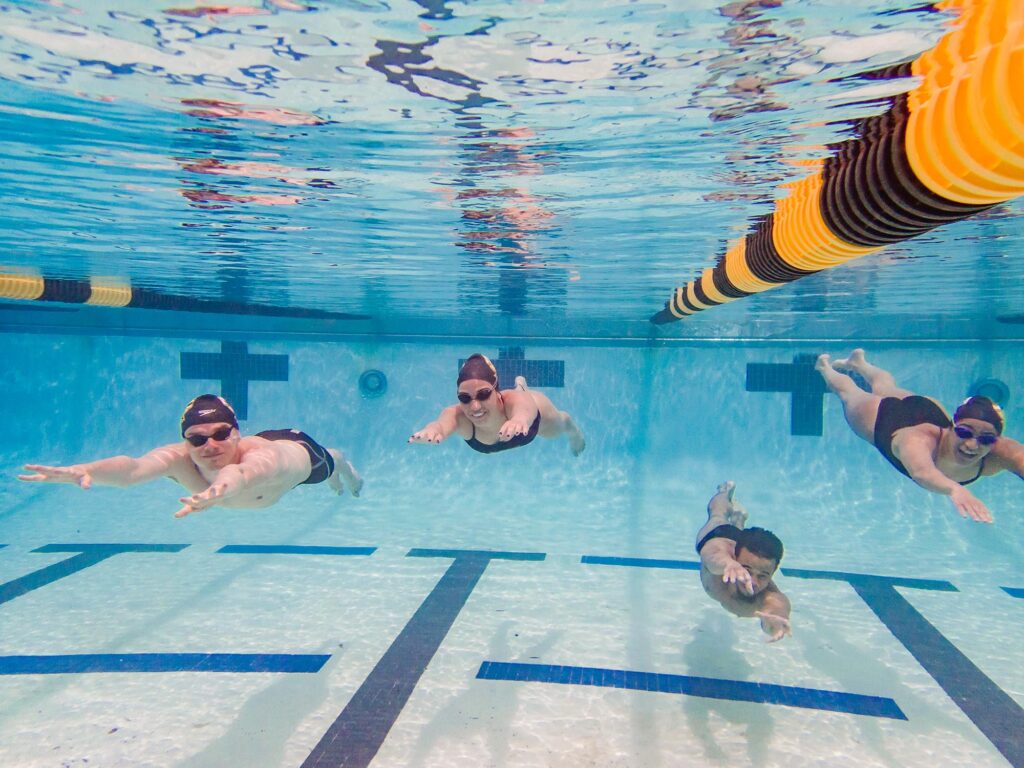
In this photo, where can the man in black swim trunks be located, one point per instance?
(916, 436)
(216, 464)
(737, 565)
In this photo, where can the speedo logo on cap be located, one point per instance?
(207, 411)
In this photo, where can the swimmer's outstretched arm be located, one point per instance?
(270, 465)
(915, 452)
(440, 430)
(716, 558)
(522, 410)
(774, 615)
(117, 470)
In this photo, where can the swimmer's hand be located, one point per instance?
(776, 627)
(736, 573)
(215, 494)
(45, 474)
(511, 428)
(968, 505)
(429, 434)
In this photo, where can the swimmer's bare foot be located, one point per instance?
(851, 363)
(736, 514)
(521, 383)
(822, 364)
(334, 481)
(353, 479)
(576, 441)
(344, 471)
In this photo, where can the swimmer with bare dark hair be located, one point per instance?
(490, 419)
(737, 564)
(916, 436)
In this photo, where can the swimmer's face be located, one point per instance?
(761, 570)
(220, 448)
(972, 447)
(483, 399)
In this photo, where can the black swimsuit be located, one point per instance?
(895, 413)
(724, 531)
(515, 442)
(321, 463)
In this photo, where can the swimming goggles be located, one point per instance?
(966, 433)
(480, 396)
(221, 434)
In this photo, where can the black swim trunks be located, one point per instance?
(895, 413)
(321, 463)
(724, 531)
(515, 442)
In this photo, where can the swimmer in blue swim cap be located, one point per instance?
(491, 419)
(915, 435)
(737, 565)
(216, 464)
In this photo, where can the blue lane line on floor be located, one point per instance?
(86, 555)
(705, 687)
(799, 573)
(641, 562)
(462, 553)
(292, 549)
(1013, 591)
(161, 662)
(356, 735)
(991, 709)
(859, 578)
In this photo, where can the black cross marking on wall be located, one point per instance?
(512, 362)
(235, 368)
(800, 379)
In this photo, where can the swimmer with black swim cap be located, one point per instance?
(980, 408)
(217, 465)
(491, 420)
(208, 409)
(915, 435)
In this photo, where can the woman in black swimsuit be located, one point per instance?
(490, 419)
(916, 436)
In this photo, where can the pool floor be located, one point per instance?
(313, 655)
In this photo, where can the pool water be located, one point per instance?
(318, 208)
(504, 597)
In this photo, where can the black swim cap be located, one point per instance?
(477, 366)
(983, 409)
(207, 409)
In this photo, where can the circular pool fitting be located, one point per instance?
(373, 383)
(994, 389)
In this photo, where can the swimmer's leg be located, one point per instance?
(722, 510)
(880, 380)
(859, 407)
(344, 471)
(554, 422)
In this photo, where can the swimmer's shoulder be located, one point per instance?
(916, 435)
(1008, 455)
